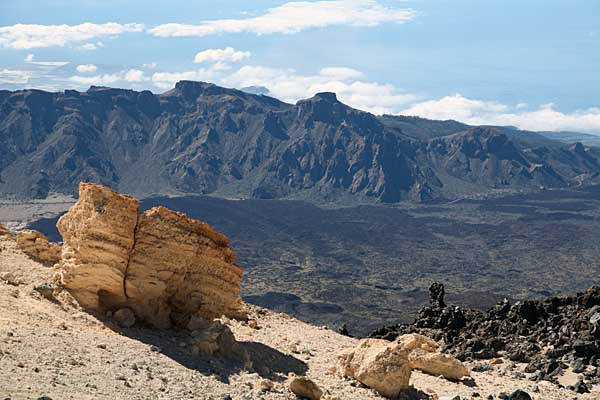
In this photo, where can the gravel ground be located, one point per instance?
(50, 347)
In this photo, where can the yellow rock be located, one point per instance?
(437, 364)
(35, 244)
(165, 266)
(378, 364)
(305, 388)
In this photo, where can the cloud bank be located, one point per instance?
(295, 17)
(83, 68)
(29, 36)
(228, 54)
(478, 112)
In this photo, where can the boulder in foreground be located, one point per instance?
(378, 364)
(164, 266)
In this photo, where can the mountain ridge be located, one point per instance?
(200, 138)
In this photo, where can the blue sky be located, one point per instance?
(532, 64)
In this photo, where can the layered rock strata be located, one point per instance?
(4, 231)
(164, 266)
(36, 245)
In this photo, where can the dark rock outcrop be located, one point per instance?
(547, 334)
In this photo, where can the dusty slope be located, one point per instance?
(55, 349)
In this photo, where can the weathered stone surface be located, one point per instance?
(214, 337)
(180, 267)
(124, 317)
(164, 266)
(35, 244)
(437, 364)
(412, 341)
(4, 231)
(305, 388)
(379, 364)
(98, 236)
(423, 355)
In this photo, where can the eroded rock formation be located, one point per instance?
(386, 366)
(4, 231)
(35, 244)
(164, 266)
(423, 355)
(378, 364)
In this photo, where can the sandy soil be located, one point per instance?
(53, 348)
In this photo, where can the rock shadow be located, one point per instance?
(254, 357)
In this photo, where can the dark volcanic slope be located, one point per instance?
(200, 138)
(372, 265)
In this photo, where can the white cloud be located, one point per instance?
(477, 112)
(29, 36)
(14, 76)
(294, 17)
(151, 65)
(228, 54)
(30, 60)
(135, 75)
(129, 76)
(83, 68)
(104, 79)
(166, 80)
(290, 86)
(91, 46)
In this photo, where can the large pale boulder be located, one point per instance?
(412, 341)
(378, 364)
(164, 266)
(437, 364)
(180, 267)
(98, 237)
(36, 245)
(423, 355)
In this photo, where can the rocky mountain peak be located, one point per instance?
(319, 146)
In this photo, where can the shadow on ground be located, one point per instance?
(267, 362)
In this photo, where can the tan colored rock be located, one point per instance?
(166, 267)
(214, 337)
(98, 236)
(4, 231)
(36, 245)
(414, 341)
(378, 364)
(437, 364)
(423, 355)
(180, 267)
(305, 388)
(265, 385)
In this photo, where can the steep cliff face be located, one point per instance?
(163, 265)
(201, 138)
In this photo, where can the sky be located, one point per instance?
(528, 63)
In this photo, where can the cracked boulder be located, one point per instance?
(164, 266)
